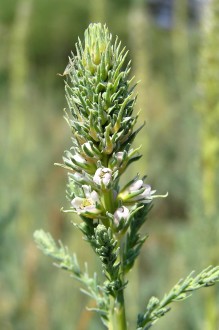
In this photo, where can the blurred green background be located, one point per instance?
(174, 48)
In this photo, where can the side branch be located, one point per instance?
(183, 289)
(64, 260)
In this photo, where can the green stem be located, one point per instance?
(117, 317)
(107, 195)
(108, 200)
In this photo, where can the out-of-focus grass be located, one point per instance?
(36, 39)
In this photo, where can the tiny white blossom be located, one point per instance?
(136, 185)
(121, 213)
(138, 191)
(102, 176)
(146, 195)
(87, 205)
(119, 155)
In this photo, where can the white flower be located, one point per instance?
(146, 194)
(121, 213)
(88, 204)
(136, 185)
(138, 191)
(102, 176)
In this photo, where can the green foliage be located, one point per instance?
(183, 289)
(134, 242)
(107, 249)
(67, 262)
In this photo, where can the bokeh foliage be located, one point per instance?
(179, 67)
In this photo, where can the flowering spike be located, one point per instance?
(101, 101)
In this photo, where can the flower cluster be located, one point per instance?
(101, 101)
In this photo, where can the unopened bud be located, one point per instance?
(121, 213)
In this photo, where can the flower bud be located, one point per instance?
(121, 213)
(97, 38)
(83, 163)
(119, 156)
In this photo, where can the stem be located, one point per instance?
(108, 200)
(117, 317)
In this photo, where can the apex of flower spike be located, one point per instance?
(97, 40)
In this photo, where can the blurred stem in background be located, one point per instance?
(183, 86)
(188, 125)
(19, 94)
(179, 39)
(191, 122)
(18, 73)
(20, 125)
(208, 105)
(137, 32)
(183, 40)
